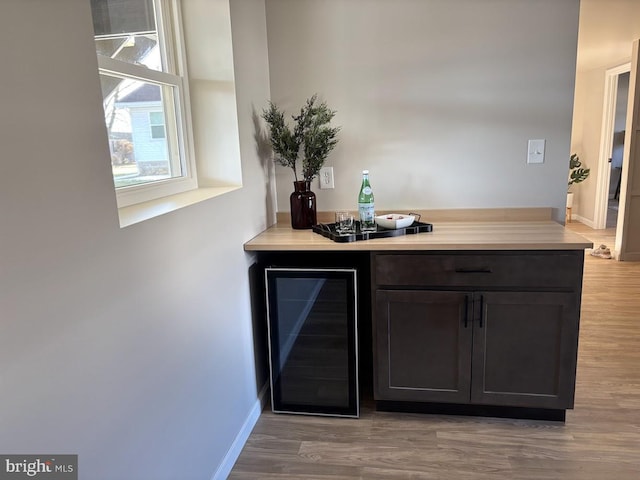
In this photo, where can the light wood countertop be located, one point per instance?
(486, 235)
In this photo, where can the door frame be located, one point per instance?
(606, 144)
(628, 229)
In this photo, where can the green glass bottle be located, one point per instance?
(366, 208)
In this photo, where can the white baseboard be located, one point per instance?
(586, 221)
(234, 451)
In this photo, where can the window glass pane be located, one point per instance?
(157, 131)
(112, 17)
(126, 30)
(156, 118)
(137, 155)
(136, 49)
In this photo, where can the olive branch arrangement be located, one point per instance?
(311, 135)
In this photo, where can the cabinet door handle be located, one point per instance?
(473, 270)
(466, 310)
(481, 310)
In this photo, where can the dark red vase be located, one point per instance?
(303, 205)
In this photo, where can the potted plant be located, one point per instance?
(303, 147)
(577, 174)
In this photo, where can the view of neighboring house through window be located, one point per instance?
(144, 97)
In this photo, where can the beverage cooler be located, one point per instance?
(313, 340)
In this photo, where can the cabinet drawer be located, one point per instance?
(521, 269)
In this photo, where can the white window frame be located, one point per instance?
(170, 39)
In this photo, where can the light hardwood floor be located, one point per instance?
(600, 439)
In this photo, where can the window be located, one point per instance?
(144, 91)
(156, 123)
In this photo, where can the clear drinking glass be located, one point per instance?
(345, 224)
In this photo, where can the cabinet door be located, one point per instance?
(524, 349)
(422, 346)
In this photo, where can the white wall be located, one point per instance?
(436, 98)
(130, 347)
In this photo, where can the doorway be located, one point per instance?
(617, 150)
(610, 162)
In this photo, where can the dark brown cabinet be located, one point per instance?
(498, 329)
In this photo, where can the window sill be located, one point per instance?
(154, 208)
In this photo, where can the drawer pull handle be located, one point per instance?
(473, 270)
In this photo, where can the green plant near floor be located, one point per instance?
(577, 174)
(311, 137)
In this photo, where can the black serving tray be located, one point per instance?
(329, 230)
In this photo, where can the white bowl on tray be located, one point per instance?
(394, 221)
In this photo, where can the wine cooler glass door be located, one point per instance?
(312, 321)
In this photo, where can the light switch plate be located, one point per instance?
(536, 151)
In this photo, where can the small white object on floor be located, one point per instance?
(602, 251)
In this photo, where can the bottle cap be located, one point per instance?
(365, 172)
